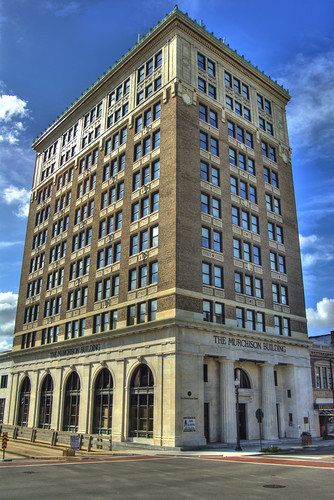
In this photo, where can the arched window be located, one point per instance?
(103, 396)
(45, 405)
(24, 403)
(141, 402)
(242, 376)
(72, 403)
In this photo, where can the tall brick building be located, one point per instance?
(162, 259)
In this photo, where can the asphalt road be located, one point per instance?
(164, 478)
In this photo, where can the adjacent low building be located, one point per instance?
(322, 362)
(162, 259)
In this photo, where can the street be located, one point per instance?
(165, 478)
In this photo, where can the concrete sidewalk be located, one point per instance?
(21, 449)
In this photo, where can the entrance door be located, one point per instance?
(206, 422)
(278, 421)
(242, 420)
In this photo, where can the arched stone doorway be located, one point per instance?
(103, 401)
(24, 403)
(72, 403)
(141, 402)
(45, 404)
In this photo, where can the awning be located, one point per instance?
(326, 413)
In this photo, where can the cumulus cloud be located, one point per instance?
(20, 197)
(11, 106)
(12, 111)
(323, 316)
(8, 303)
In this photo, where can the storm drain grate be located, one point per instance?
(274, 486)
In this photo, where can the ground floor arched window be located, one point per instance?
(243, 378)
(72, 403)
(103, 400)
(45, 405)
(24, 403)
(141, 402)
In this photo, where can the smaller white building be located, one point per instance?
(6, 365)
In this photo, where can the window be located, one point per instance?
(218, 277)
(2, 409)
(275, 232)
(206, 273)
(109, 255)
(268, 151)
(239, 314)
(280, 293)
(270, 176)
(212, 239)
(207, 310)
(207, 68)
(4, 381)
(210, 173)
(243, 189)
(208, 115)
(74, 329)
(241, 161)
(210, 205)
(238, 284)
(260, 322)
(318, 377)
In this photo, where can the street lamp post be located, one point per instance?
(236, 385)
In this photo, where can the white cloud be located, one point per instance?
(61, 9)
(12, 111)
(11, 106)
(311, 259)
(7, 244)
(8, 303)
(306, 241)
(311, 111)
(318, 252)
(19, 196)
(323, 316)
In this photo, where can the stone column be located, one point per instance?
(57, 400)
(268, 402)
(85, 391)
(34, 398)
(119, 413)
(227, 401)
(158, 401)
(12, 414)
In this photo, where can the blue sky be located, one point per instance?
(53, 50)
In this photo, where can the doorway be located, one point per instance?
(242, 421)
(206, 422)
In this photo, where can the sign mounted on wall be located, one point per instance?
(189, 424)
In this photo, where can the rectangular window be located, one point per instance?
(239, 313)
(218, 277)
(318, 377)
(238, 282)
(207, 310)
(206, 273)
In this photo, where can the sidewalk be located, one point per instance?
(21, 449)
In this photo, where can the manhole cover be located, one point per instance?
(273, 486)
(29, 472)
